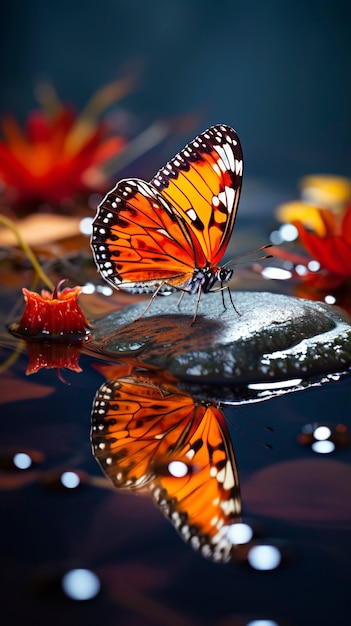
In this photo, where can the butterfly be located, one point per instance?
(151, 436)
(170, 234)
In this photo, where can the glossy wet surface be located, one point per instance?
(76, 550)
(60, 514)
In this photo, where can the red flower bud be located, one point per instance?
(55, 316)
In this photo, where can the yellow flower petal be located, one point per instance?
(309, 215)
(331, 192)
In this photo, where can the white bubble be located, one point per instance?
(240, 533)
(70, 480)
(321, 433)
(275, 237)
(88, 288)
(323, 447)
(301, 270)
(178, 469)
(313, 266)
(105, 290)
(264, 557)
(275, 273)
(81, 584)
(85, 225)
(22, 460)
(288, 232)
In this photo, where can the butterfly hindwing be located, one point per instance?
(197, 488)
(137, 239)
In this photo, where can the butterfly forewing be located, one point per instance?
(133, 421)
(202, 183)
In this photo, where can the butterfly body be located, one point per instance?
(170, 234)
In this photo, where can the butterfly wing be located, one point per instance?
(138, 241)
(148, 234)
(198, 487)
(143, 434)
(202, 184)
(133, 422)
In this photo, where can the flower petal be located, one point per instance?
(333, 252)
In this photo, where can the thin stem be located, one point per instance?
(26, 249)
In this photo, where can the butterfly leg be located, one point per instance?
(197, 305)
(231, 300)
(150, 301)
(180, 299)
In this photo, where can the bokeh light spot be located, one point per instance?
(70, 480)
(22, 461)
(264, 557)
(240, 533)
(81, 584)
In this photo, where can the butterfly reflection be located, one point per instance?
(149, 435)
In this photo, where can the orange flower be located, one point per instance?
(59, 154)
(55, 316)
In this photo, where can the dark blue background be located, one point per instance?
(279, 72)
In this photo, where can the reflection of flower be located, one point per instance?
(323, 222)
(52, 316)
(53, 355)
(59, 154)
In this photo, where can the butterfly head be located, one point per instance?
(205, 278)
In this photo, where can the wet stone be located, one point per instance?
(269, 337)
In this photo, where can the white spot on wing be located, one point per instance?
(227, 197)
(223, 155)
(230, 156)
(239, 167)
(191, 213)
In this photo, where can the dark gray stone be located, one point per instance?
(271, 337)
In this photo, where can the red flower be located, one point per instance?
(333, 249)
(55, 316)
(59, 154)
(323, 222)
(55, 328)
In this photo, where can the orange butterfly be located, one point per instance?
(151, 436)
(172, 232)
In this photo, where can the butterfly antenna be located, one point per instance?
(234, 261)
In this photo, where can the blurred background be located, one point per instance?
(278, 72)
